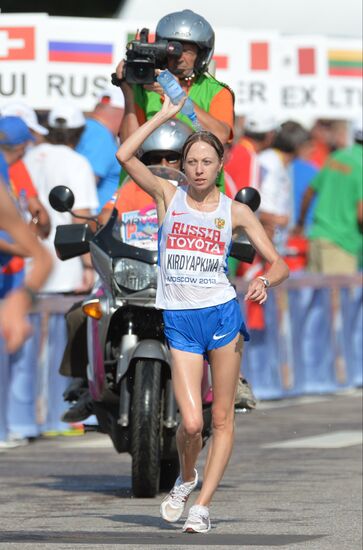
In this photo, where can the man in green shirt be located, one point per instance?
(336, 231)
(213, 101)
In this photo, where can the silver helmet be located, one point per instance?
(187, 26)
(170, 136)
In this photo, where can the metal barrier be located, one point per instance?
(312, 343)
(313, 337)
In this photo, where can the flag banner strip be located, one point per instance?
(131, 36)
(346, 72)
(24, 50)
(80, 52)
(136, 36)
(259, 56)
(345, 55)
(221, 61)
(80, 57)
(80, 47)
(306, 60)
(333, 63)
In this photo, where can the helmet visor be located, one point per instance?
(156, 157)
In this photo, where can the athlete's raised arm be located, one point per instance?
(126, 155)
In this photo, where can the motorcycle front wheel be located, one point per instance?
(169, 471)
(145, 446)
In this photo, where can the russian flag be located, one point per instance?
(80, 52)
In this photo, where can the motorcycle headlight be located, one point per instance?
(135, 275)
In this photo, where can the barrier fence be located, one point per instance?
(313, 338)
(311, 342)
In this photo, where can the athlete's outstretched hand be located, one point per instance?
(256, 291)
(169, 109)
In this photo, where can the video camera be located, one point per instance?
(142, 58)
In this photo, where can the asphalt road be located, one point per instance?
(294, 482)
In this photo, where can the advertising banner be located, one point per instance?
(23, 58)
(44, 59)
(247, 63)
(344, 76)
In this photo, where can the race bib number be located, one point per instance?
(194, 255)
(140, 228)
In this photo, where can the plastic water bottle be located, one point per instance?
(175, 92)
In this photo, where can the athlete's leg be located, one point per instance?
(187, 372)
(225, 364)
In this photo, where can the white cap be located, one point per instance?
(26, 113)
(260, 122)
(69, 112)
(112, 95)
(358, 128)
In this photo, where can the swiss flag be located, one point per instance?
(17, 43)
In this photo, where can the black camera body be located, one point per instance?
(143, 57)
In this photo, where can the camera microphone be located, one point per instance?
(115, 80)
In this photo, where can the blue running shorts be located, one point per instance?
(204, 329)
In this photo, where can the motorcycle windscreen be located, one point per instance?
(137, 222)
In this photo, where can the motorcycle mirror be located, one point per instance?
(61, 198)
(249, 196)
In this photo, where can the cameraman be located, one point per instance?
(213, 101)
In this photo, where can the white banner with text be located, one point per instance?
(44, 59)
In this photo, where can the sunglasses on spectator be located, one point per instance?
(171, 157)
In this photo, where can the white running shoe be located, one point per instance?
(198, 520)
(12, 444)
(173, 505)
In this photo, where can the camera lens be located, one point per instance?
(140, 71)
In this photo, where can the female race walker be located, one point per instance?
(201, 313)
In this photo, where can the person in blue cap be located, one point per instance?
(14, 138)
(15, 238)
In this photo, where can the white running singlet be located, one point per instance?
(193, 252)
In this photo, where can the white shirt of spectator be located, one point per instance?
(275, 184)
(276, 192)
(50, 165)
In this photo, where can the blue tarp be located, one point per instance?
(312, 344)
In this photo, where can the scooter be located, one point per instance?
(129, 374)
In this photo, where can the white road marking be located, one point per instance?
(307, 399)
(101, 442)
(331, 440)
(290, 402)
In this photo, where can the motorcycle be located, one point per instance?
(129, 374)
